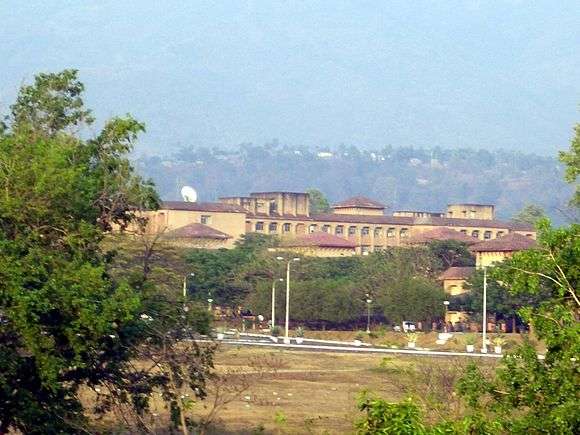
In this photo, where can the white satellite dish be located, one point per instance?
(189, 194)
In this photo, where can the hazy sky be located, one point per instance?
(490, 74)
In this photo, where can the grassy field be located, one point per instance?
(317, 392)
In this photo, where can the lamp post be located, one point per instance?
(369, 301)
(185, 285)
(446, 303)
(286, 336)
(484, 335)
(209, 301)
(274, 300)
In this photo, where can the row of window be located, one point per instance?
(486, 234)
(339, 229)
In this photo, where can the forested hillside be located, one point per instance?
(402, 178)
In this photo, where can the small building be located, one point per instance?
(198, 235)
(320, 244)
(497, 250)
(359, 205)
(454, 279)
(471, 211)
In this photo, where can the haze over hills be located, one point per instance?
(496, 75)
(402, 178)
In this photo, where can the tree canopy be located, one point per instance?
(65, 320)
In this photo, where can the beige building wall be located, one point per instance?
(318, 251)
(454, 287)
(485, 259)
(359, 211)
(471, 211)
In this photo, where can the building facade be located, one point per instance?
(359, 220)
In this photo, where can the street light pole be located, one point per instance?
(446, 303)
(369, 301)
(274, 301)
(287, 323)
(484, 335)
(185, 286)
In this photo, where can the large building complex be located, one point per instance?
(357, 225)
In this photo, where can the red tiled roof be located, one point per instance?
(457, 273)
(197, 231)
(320, 239)
(442, 233)
(360, 202)
(507, 243)
(202, 206)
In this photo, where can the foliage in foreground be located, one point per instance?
(527, 394)
(67, 322)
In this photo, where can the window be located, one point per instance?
(259, 226)
(205, 219)
(365, 250)
(326, 228)
(339, 230)
(391, 232)
(464, 213)
(450, 214)
(365, 231)
(273, 207)
(463, 231)
(472, 214)
(475, 233)
(286, 228)
(404, 233)
(312, 228)
(499, 234)
(273, 227)
(378, 231)
(351, 231)
(487, 235)
(528, 235)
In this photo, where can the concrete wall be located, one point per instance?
(359, 211)
(471, 211)
(454, 287)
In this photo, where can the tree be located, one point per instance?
(318, 202)
(413, 299)
(572, 161)
(451, 253)
(528, 394)
(530, 214)
(65, 320)
(501, 302)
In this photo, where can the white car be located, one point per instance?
(408, 326)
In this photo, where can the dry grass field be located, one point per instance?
(317, 392)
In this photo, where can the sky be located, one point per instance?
(502, 74)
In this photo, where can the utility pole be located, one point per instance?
(484, 335)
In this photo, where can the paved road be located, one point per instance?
(338, 346)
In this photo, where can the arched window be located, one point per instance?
(475, 233)
(404, 233)
(351, 231)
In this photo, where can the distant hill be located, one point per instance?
(403, 178)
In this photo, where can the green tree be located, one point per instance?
(451, 253)
(500, 301)
(228, 275)
(530, 214)
(65, 321)
(572, 161)
(318, 202)
(413, 299)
